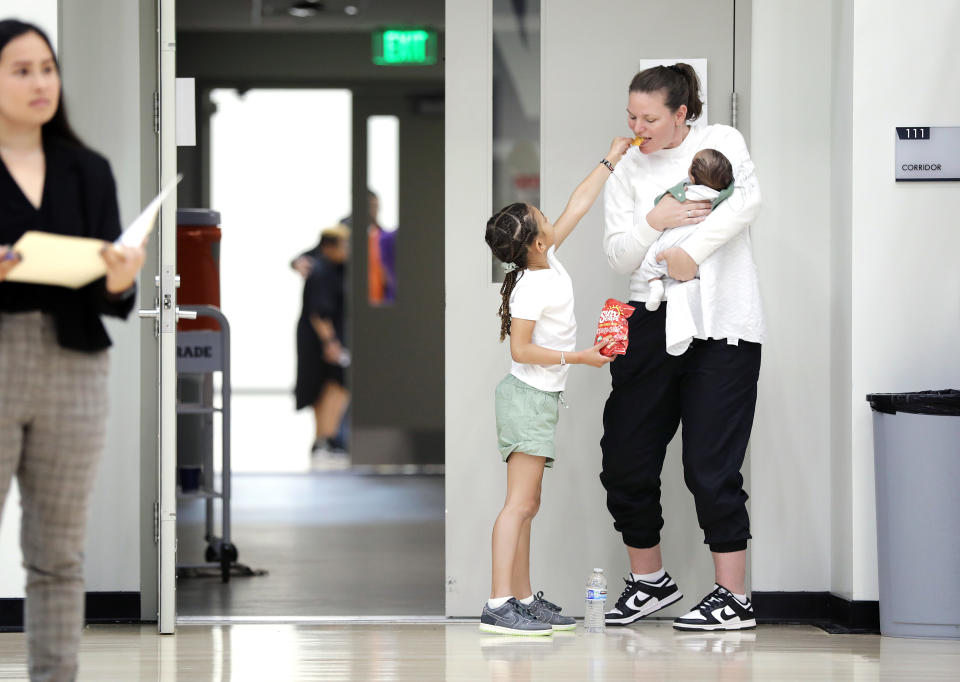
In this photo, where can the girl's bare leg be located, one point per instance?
(524, 475)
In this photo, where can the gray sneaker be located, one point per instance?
(548, 612)
(513, 618)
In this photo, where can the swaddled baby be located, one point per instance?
(710, 179)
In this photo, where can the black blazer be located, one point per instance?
(80, 199)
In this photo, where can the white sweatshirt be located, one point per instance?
(729, 294)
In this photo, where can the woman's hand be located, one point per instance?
(618, 148)
(680, 266)
(8, 261)
(670, 213)
(123, 266)
(593, 357)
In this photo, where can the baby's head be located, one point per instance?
(711, 168)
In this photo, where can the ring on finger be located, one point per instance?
(688, 213)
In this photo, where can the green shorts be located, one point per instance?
(526, 419)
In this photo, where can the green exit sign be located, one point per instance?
(404, 47)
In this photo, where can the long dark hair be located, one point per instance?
(679, 83)
(510, 232)
(58, 126)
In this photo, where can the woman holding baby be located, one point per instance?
(711, 387)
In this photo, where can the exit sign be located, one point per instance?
(404, 47)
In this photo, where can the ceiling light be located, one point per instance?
(351, 10)
(305, 8)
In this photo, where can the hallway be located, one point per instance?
(333, 544)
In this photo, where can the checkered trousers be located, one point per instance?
(53, 410)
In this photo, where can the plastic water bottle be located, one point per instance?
(594, 620)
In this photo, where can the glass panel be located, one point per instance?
(516, 106)
(383, 182)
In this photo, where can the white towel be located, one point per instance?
(727, 290)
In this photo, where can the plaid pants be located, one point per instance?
(53, 412)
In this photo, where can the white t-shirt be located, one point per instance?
(546, 297)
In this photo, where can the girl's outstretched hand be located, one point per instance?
(618, 148)
(594, 358)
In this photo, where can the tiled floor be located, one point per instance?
(457, 651)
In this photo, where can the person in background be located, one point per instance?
(321, 341)
(53, 345)
(381, 256)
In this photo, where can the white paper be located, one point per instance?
(699, 65)
(141, 227)
(73, 262)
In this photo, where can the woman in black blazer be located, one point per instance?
(53, 357)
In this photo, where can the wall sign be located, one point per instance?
(927, 153)
(199, 352)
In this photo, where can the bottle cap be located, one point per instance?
(598, 570)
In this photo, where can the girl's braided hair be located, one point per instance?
(510, 232)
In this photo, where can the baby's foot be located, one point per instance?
(656, 295)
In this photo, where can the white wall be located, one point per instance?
(841, 287)
(905, 324)
(471, 358)
(833, 231)
(43, 13)
(102, 88)
(790, 144)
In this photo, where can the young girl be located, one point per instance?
(537, 314)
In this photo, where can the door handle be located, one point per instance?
(181, 314)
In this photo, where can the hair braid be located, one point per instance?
(509, 235)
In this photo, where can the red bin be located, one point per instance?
(198, 263)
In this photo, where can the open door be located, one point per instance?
(165, 314)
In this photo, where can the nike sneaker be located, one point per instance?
(640, 598)
(719, 610)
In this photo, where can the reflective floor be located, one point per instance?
(322, 539)
(457, 651)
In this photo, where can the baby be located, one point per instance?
(710, 179)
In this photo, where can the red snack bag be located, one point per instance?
(613, 324)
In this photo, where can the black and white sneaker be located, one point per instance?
(719, 610)
(640, 599)
(512, 618)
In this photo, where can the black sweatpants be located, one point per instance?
(712, 389)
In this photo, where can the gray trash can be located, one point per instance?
(916, 440)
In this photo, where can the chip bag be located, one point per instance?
(613, 324)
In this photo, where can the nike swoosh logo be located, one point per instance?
(724, 614)
(632, 602)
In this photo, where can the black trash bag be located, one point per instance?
(922, 402)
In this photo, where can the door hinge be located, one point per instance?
(156, 113)
(733, 109)
(156, 523)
